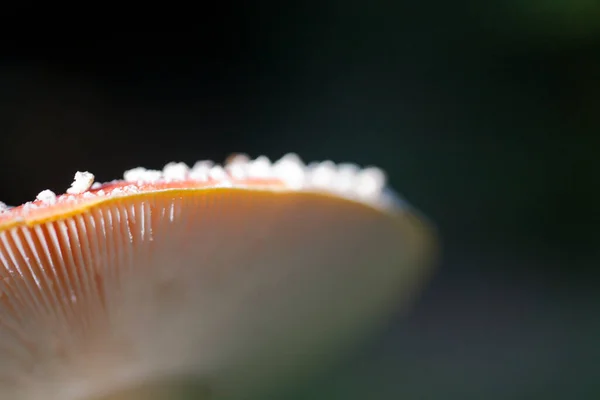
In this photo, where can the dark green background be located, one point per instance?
(485, 115)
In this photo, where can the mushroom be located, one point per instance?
(232, 276)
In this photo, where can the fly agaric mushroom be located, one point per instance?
(226, 274)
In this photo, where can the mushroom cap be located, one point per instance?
(230, 275)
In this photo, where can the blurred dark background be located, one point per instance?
(485, 116)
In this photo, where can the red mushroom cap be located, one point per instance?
(226, 274)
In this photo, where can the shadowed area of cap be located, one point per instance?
(229, 285)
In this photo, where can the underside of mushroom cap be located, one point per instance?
(231, 274)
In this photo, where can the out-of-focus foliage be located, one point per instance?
(543, 20)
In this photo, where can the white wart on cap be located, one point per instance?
(230, 274)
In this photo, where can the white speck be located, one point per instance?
(237, 170)
(238, 158)
(260, 168)
(237, 166)
(200, 171)
(3, 207)
(370, 182)
(291, 158)
(131, 189)
(47, 197)
(204, 164)
(174, 171)
(323, 174)
(346, 177)
(82, 183)
(217, 173)
(140, 174)
(96, 185)
(291, 170)
(134, 174)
